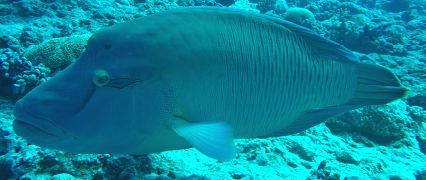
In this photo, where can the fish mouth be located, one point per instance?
(36, 130)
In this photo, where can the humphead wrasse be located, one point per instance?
(198, 77)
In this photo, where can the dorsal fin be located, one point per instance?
(321, 45)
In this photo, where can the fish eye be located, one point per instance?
(101, 78)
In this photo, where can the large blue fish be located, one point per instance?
(198, 77)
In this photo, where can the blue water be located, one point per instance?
(38, 39)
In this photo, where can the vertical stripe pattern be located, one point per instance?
(275, 75)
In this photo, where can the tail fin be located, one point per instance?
(376, 85)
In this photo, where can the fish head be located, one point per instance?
(108, 101)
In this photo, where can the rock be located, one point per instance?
(63, 176)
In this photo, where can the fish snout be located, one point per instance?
(37, 130)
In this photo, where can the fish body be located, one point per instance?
(198, 77)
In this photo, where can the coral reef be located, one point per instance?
(297, 15)
(18, 75)
(37, 38)
(57, 52)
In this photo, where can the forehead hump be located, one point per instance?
(120, 36)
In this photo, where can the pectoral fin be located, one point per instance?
(213, 138)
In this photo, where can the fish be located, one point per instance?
(198, 77)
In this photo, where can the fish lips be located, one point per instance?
(36, 130)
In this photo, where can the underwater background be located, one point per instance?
(40, 38)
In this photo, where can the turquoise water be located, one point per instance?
(40, 38)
